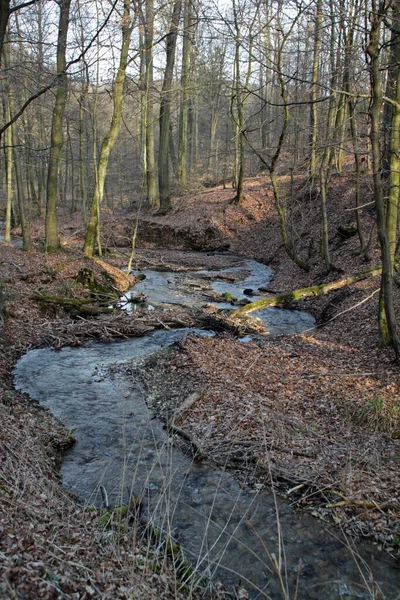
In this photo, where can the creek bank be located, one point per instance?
(50, 546)
(238, 394)
(224, 527)
(262, 413)
(346, 400)
(221, 281)
(93, 564)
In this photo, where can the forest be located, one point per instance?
(211, 186)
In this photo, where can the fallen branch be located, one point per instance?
(371, 504)
(190, 400)
(61, 300)
(76, 306)
(316, 290)
(173, 428)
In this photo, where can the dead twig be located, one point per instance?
(371, 504)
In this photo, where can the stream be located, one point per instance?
(229, 533)
(241, 279)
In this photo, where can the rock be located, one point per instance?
(248, 292)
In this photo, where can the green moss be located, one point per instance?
(60, 441)
(86, 277)
(114, 517)
(229, 296)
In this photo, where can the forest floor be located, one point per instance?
(318, 414)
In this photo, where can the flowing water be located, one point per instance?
(229, 532)
(190, 289)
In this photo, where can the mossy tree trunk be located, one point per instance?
(387, 316)
(316, 290)
(111, 137)
(394, 133)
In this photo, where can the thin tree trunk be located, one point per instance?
(25, 226)
(151, 179)
(13, 159)
(314, 89)
(281, 209)
(184, 104)
(52, 241)
(41, 169)
(111, 137)
(165, 113)
(9, 171)
(82, 154)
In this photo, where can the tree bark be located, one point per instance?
(314, 89)
(387, 316)
(165, 113)
(316, 290)
(151, 179)
(52, 241)
(184, 104)
(13, 160)
(111, 137)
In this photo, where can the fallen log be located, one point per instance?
(75, 306)
(316, 290)
(60, 300)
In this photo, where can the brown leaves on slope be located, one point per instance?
(294, 402)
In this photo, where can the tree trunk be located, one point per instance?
(111, 137)
(25, 226)
(316, 290)
(184, 104)
(387, 316)
(9, 170)
(151, 179)
(52, 241)
(5, 12)
(394, 135)
(165, 112)
(13, 159)
(314, 89)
